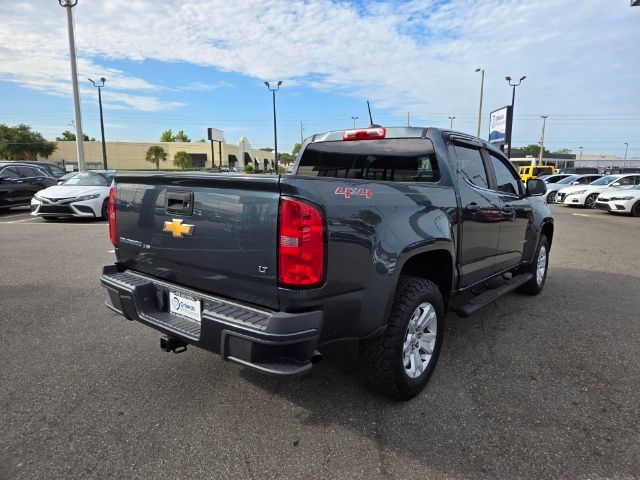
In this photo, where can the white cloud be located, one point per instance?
(416, 56)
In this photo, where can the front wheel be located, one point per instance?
(635, 210)
(538, 268)
(400, 361)
(590, 201)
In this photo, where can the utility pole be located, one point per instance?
(580, 159)
(481, 94)
(301, 134)
(544, 121)
(451, 123)
(104, 145)
(69, 4)
(408, 119)
(354, 122)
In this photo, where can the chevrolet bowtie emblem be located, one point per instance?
(177, 229)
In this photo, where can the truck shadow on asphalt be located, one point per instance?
(528, 387)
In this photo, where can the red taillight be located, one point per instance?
(364, 134)
(111, 214)
(300, 244)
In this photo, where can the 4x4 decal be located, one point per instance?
(347, 192)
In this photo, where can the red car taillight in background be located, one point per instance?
(111, 214)
(301, 246)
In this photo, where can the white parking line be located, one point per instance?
(584, 215)
(23, 220)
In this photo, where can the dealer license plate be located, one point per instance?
(185, 306)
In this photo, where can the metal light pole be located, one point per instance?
(451, 123)
(69, 4)
(104, 145)
(301, 134)
(354, 121)
(580, 158)
(481, 94)
(513, 101)
(544, 121)
(626, 148)
(273, 90)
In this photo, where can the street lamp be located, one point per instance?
(69, 4)
(104, 147)
(580, 158)
(626, 148)
(544, 121)
(481, 94)
(451, 123)
(273, 89)
(354, 121)
(513, 101)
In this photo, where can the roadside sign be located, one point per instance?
(500, 126)
(215, 134)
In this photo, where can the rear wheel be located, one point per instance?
(635, 210)
(590, 201)
(538, 268)
(551, 197)
(399, 362)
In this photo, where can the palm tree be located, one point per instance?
(156, 153)
(182, 159)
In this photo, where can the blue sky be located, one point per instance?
(188, 64)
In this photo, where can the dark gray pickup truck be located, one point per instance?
(371, 238)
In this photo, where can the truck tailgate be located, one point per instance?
(214, 233)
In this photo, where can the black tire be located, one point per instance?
(535, 285)
(551, 197)
(382, 358)
(590, 201)
(104, 215)
(635, 210)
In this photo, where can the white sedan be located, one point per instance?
(614, 201)
(84, 195)
(585, 195)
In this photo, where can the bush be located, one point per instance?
(248, 168)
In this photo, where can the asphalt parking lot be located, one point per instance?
(531, 387)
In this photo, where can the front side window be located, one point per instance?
(505, 181)
(471, 166)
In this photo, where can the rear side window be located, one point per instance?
(471, 166)
(392, 160)
(505, 181)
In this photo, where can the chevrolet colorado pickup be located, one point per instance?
(371, 237)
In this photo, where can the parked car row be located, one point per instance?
(612, 193)
(19, 182)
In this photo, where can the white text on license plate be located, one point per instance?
(181, 305)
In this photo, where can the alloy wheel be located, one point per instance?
(420, 340)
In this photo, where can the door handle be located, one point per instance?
(473, 207)
(507, 209)
(179, 202)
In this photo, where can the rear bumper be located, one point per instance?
(271, 342)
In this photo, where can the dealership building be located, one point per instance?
(131, 155)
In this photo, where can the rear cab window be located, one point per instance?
(391, 160)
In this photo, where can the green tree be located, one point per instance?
(68, 136)
(21, 143)
(285, 159)
(533, 149)
(181, 137)
(248, 168)
(563, 151)
(266, 149)
(182, 160)
(202, 140)
(296, 149)
(167, 136)
(155, 153)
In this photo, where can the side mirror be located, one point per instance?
(575, 183)
(536, 187)
(617, 184)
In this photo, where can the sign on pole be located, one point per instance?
(500, 122)
(215, 135)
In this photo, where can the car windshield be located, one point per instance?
(605, 180)
(568, 180)
(89, 179)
